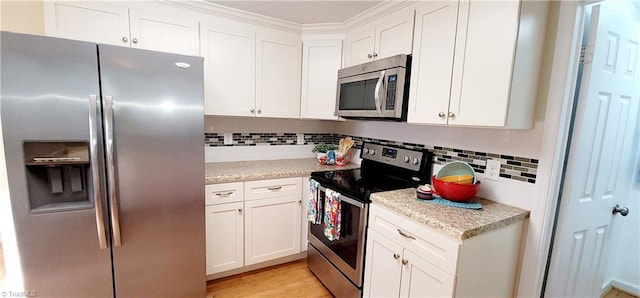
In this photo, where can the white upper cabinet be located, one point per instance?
(229, 69)
(435, 38)
(164, 33)
(114, 24)
(99, 22)
(278, 64)
(388, 36)
(496, 63)
(320, 65)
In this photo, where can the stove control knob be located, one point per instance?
(406, 159)
(416, 161)
(365, 150)
(372, 152)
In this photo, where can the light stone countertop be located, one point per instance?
(458, 223)
(222, 172)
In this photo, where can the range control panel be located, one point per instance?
(400, 157)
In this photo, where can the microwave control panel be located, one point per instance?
(392, 82)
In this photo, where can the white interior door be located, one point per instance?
(601, 143)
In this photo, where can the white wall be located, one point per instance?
(22, 16)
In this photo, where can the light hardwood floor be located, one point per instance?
(615, 293)
(288, 280)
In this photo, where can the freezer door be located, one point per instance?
(154, 119)
(47, 89)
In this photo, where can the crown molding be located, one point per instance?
(383, 9)
(233, 14)
(365, 17)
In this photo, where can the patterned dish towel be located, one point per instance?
(314, 204)
(332, 215)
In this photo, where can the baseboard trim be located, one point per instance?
(287, 259)
(626, 287)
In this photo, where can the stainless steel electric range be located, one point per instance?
(339, 264)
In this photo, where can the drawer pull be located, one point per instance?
(396, 256)
(274, 188)
(405, 262)
(405, 235)
(224, 194)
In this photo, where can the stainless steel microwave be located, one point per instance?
(375, 90)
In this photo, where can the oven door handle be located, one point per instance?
(377, 91)
(343, 198)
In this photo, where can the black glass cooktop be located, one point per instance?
(353, 184)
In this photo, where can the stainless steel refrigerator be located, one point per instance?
(105, 159)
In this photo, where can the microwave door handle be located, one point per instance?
(377, 92)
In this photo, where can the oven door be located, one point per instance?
(376, 94)
(346, 253)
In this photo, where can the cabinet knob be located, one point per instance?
(405, 262)
(369, 56)
(441, 115)
(396, 256)
(375, 54)
(239, 210)
(452, 115)
(300, 202)
(252, 110)
(259, 111)
(125, 39)
(135, 40)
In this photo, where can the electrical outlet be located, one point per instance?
(300, 140)
(228, 138)
(493, 170)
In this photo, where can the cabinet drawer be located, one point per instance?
(224, 193)
(274, 188)
(430, 245)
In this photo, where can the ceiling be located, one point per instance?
(303, 11)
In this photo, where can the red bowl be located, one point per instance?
(454, 191)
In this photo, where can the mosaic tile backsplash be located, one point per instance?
(513, 167)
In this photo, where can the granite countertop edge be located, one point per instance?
(228, 172)
(450, 227)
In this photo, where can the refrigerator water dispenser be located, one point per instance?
(57, 175)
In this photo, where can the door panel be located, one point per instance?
(359, 45)
(164, 33)
(395, 36)
(421, 279)
(596, 180)
(225, 237)
(159, 166)
(279, 63)
(383, 267)
(89, 21)
(272, 228)
(46, 84)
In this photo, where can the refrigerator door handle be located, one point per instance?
(95, 171)
(111, 170)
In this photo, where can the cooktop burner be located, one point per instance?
(383, 168)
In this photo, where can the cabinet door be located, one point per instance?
(229, 70)
(224, 237)
(434, 40)
(99, 22)
(395, 35)
(421, 279)
(320, 64)
(279, 58)
(483, 61)
(359, 46)
(304, 223)
(272, 228)
(383, 267)
(164, 33)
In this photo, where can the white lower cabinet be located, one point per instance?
(253, 222)
(304, 229)
(272, 229)
(407, 259)
(224, 237)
